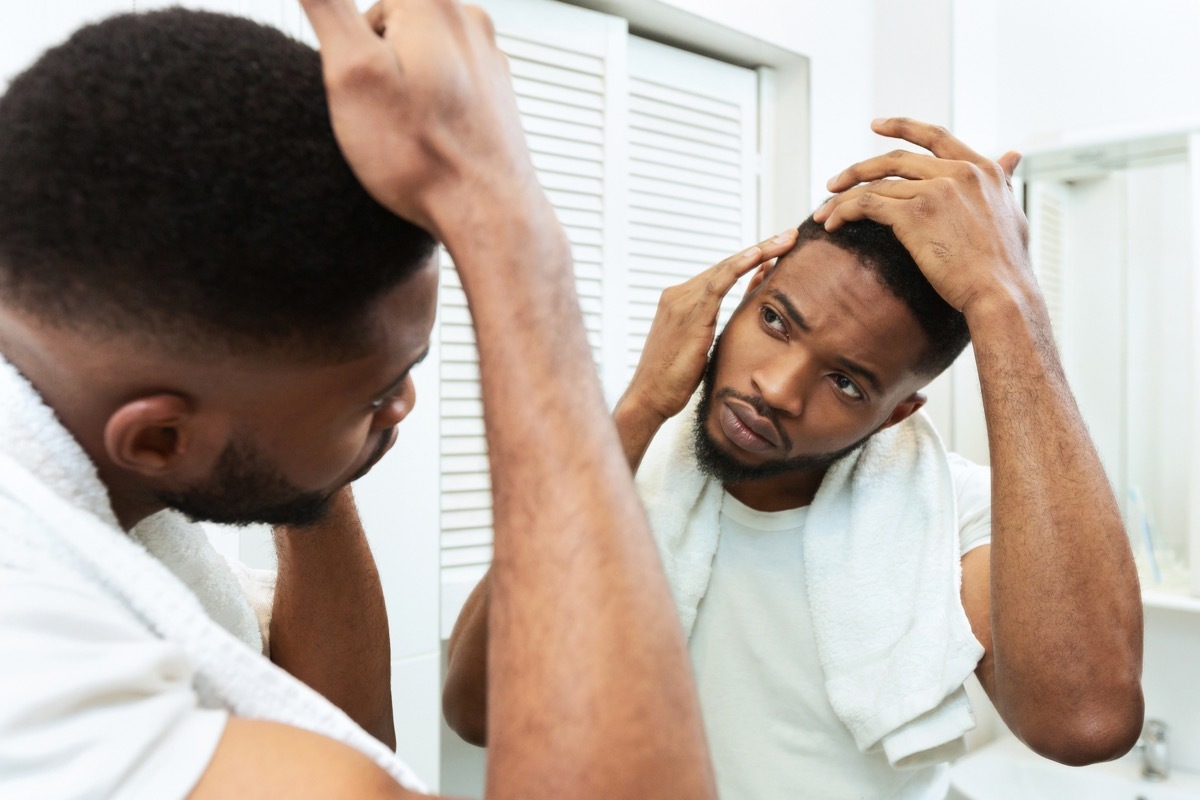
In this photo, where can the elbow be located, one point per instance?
(1091, 733)
(467, 717)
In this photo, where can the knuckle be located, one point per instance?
(481, 19)
(867, 200)
(968, 174)
(945, 187)
(939, 133)
(711, 287)
(357, 73)
(897, 155)
(921, 207)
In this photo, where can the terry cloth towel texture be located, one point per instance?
(883, 578)
(55, 515)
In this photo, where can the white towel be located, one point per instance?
(55, 514)
(883, 579)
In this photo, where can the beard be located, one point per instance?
(245, 488)
(716, 463)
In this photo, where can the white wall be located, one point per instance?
(1069, 66)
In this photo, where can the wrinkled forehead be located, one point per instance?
(847, 306)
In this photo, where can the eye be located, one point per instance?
(773, 320)
(386, 399)
(847, 387)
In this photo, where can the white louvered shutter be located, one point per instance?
(649, 155)
(692, 186)
(1047, 243)
(563, 61)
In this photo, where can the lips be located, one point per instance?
(746, 429)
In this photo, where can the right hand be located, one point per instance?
(676, 350)
(422, 104)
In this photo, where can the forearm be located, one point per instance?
(1066, 616)
(464, 697)
(586, 662)
(636, 426)
(329, 625)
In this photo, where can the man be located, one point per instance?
(203, 310)
(814, 530)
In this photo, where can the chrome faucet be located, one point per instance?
(1156, 759)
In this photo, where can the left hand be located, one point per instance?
(954, 211)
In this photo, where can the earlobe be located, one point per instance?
(910, 406)
(150, 435)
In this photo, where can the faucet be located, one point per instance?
(1156, 760)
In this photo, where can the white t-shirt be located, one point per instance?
(92, 704)
(771, 729)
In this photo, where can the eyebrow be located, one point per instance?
(843, 362)
(403, 376)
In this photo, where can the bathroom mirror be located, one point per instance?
(1113, 228)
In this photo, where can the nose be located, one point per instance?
(782, 383)
(390, 414)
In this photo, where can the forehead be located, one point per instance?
(400, 323)
(848, 307)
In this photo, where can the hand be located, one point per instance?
(422, 105)
(955, 211)
(681, 335)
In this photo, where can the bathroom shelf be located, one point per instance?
(1174, 601)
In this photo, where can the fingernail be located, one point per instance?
(878, 121)
(752, 252)
(829, 184)
(786, 236)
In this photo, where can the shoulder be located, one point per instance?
(973, 489)
(80, 667)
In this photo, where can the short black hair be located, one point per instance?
(175, 174)
(879, 251)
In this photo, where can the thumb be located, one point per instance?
(1008, 162)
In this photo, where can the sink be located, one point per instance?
(1008, 770)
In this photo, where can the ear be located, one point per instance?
(758, 277)
(905, 410)
(158, 435)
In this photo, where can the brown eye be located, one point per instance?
(847, 387)
(772, 320)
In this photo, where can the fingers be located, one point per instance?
(721, 277)
(882, 202)
(933, 138)
(896, 164)
(864, 193)
(338, 25)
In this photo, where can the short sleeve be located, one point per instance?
(91, 703)
(973, 484)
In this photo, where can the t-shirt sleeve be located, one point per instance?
(973, 483)
(91, 703)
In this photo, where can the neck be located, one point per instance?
(779, 492)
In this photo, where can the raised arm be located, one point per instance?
(329, 624)
(668, 372)
(1058, 607)
(589, 689)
